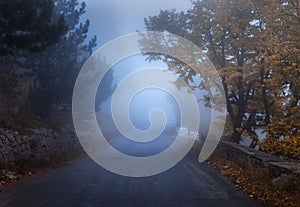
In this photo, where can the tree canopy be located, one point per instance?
(43, 45)
(29, 25)
(254, 46)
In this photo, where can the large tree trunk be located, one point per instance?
(237, 123)
(236, 137)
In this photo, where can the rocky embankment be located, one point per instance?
(36, 145)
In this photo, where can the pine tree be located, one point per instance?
(25, 26)
(57, 67)
(28, 25)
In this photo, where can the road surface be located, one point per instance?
(83, 183)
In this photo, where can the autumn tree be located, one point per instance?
(255, 47)
(228, 31)
(282, 58)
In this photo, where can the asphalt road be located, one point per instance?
(83, 183)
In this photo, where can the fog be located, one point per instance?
(111, 19)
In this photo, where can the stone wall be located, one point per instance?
(252, 158)
(38, 144)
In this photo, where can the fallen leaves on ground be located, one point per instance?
(257, 184)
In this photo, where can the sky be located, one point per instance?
(112, 18)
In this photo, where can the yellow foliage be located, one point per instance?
(288, 147)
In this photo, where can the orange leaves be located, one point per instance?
(257, 184)
(240, 130)
(288, 146)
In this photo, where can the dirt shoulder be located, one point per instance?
(12, 175)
